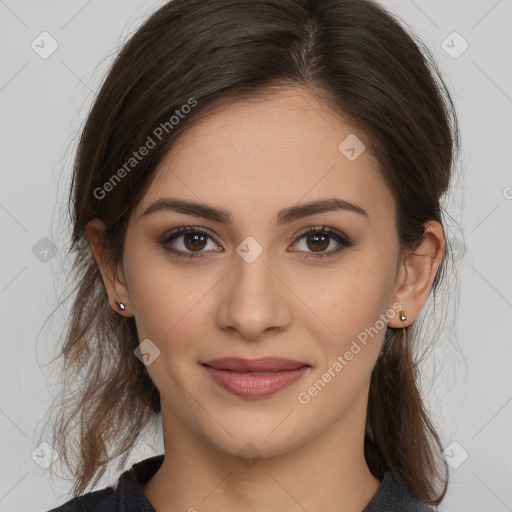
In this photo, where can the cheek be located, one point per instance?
(169, 304)
(155, 295)
(353, 310)
(349, 300)
(163, 307)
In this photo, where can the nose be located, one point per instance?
(254, 299)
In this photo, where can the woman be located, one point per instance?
(257, 228)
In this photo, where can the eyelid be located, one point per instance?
(179, 231)
(183, 230)
(325, 229)
(343, 241)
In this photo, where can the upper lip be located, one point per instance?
(263, 364)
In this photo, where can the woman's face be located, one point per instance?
(254, 285)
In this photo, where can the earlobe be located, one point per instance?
(417, 272)
(117, 291)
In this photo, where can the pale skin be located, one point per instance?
(254, 159)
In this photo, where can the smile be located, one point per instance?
(255, 378)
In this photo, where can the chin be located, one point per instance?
(256, 435)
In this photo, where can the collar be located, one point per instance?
(391, 494)
(131, 497)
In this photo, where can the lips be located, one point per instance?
(254, 378)
(264, 364)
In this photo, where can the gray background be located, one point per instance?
(43, 101)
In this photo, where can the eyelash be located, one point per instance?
(339, 237)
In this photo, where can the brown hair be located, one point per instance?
(360, 61)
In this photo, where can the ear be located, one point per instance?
(417, 272)
(116, 288)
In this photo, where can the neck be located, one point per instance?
(314, 476)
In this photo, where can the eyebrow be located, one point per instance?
(284, 216)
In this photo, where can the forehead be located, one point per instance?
(263, 154)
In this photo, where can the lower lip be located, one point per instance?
(255, 385)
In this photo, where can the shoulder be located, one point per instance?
(393, 496)
(99, 501)
(126, 495)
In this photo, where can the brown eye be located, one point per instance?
(194, 241)
(188, 242)
(318, 241)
